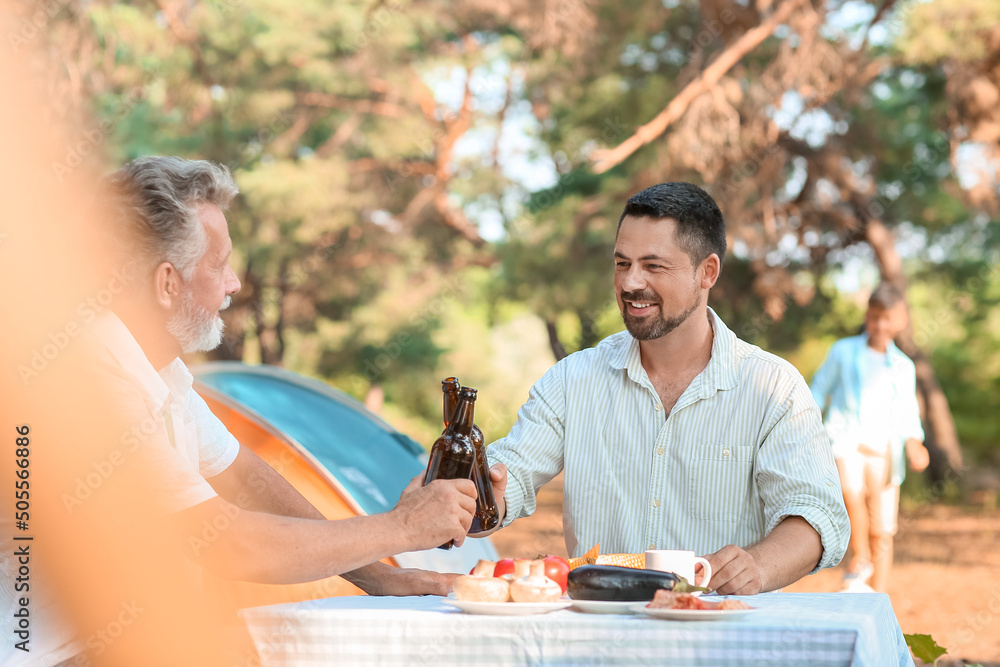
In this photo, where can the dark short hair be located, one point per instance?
(886, 296)
(701, 230)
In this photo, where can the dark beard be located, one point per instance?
(647, 328)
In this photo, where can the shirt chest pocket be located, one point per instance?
(721, 482)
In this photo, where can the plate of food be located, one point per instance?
(686, 607)
(507, 608)
(512, 587)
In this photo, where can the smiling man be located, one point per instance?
(165, 231)
(675, 434)
(165, 216)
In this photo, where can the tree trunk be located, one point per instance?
(279, 326)
(557, 347)
(940, 435)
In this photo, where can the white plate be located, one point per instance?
(506, 608)
(692, 614)
(604, 606)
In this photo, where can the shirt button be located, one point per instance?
(659, 451)
(652, 546)
(656, 502)
(659, 407)
(725, 452)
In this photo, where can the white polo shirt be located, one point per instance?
(178, 432)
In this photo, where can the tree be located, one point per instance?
(812, 135)
(370, 140)
(342, 153)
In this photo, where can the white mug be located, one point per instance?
(679, 562)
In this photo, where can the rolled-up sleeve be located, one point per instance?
(146, 450)
(217, 447)
(533, 450)
(796, 473)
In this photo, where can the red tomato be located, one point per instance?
(557, 569)
(504, 566)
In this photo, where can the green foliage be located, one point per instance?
(957, 320)
(336, 121)
(956, 29)
(924, 647)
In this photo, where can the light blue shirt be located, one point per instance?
(838, 388)
(742, 449)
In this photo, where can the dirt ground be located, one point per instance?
(945, 582)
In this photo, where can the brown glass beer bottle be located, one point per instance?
(453, 455)
(487, 513)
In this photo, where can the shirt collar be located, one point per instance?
(177, 377)
(719, 374)
(892, 353)
(628, 357)
(119, 340)
(722, 371)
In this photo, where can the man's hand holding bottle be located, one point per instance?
(431, 515)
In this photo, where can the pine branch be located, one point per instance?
(606, 159)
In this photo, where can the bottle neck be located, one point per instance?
(450, 405)
(450, 387)
(462, 419)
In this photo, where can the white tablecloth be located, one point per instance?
(814, 629)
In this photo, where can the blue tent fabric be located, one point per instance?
(373, 461)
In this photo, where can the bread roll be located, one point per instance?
(481, 589)
(536, 587)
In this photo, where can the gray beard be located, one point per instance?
(194, 328)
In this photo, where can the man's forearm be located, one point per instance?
(267, 548)
(790, 552)
(279, 497)
(251, 484)
(263, 549)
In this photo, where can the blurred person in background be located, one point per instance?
(867, 391)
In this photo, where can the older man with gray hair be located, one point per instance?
(167, 233)
(168, 221)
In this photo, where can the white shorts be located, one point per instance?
(867, 473)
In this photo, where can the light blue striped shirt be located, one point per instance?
(743, 448)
